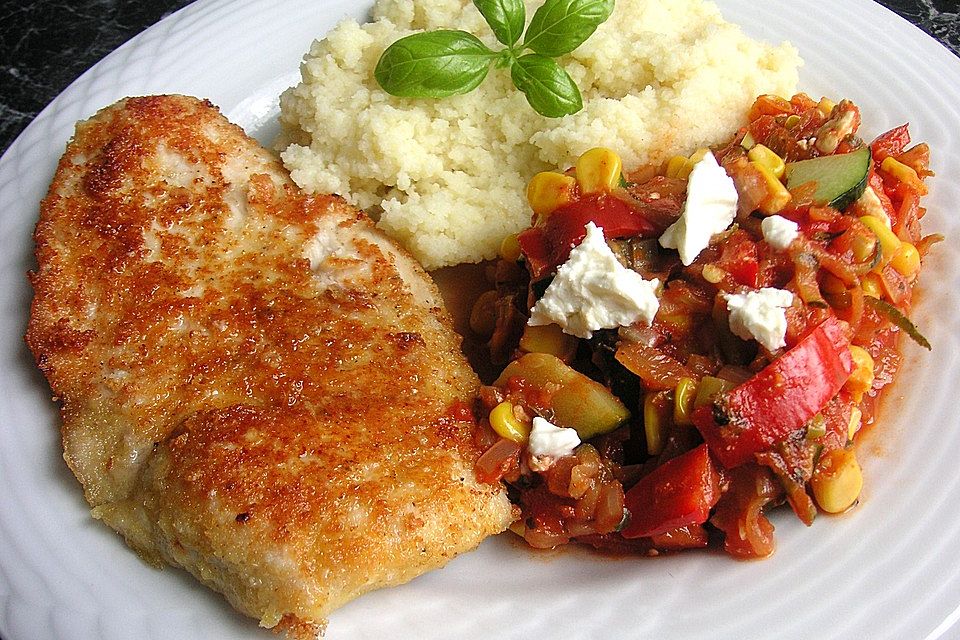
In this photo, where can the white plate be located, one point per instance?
(889, 569)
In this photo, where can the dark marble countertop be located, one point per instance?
(45, 45)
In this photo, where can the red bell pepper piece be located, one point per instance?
(547, 246)
(779, 399)
(891, 143)
(678, 493)
(536, 252)
(879, 188)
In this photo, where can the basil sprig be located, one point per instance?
(438, 64)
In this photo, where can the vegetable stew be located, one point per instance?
(766, 357)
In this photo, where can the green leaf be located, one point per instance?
(433, 64)
(560, 26)
(505, 17)
(549, 89)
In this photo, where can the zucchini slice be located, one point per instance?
(841, 179)
(577, 401)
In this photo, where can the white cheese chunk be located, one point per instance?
(710, 207)
(869, 205)
(592, 290)
(779, 232)
(760, 315)
(550, 441)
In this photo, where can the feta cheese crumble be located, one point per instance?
(869, 204)
(760, 315)
(710, 207)
(592, 290)
(779, 232)
(550, 441)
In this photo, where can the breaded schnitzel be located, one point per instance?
(256, 385)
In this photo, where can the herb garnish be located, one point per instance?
(438, 64)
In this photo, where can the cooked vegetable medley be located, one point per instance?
(773, 333)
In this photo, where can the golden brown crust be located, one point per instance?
(256, 385)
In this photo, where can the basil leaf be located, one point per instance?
(549, 89)
(560, 26)
(505, 17)
(433, 64)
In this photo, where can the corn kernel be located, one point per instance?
(889, 242)
(505, 422)
(548, 338)
(825, 106)
(856, 420)
(656, 418)
(777, 195)
(712, 273)
(904, 173)
(871, 285)
(678, 167)
(598, 170)
(861, 379)
(698, 155)
(863, 246)
(549, 190)
(510, 248)
(763, 155)
(683, 397)
(837, 480)
(906, 260)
